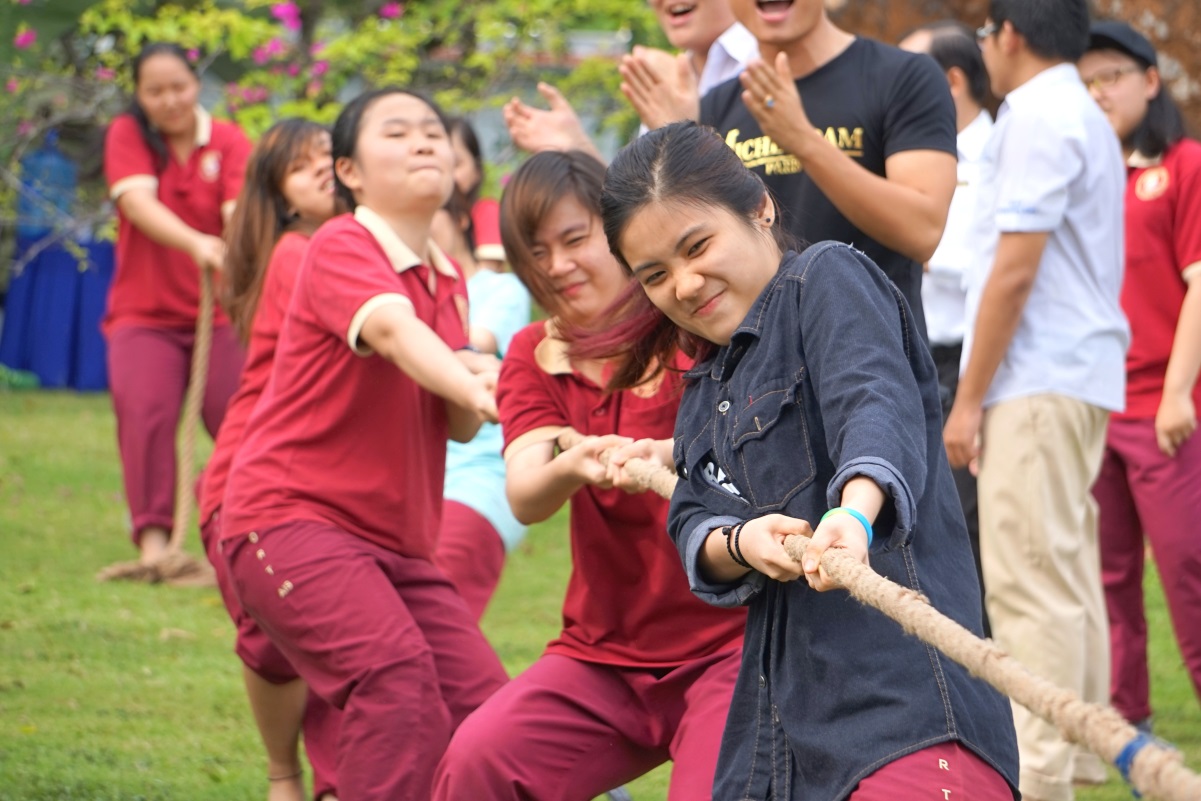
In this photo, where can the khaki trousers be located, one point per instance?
(1042, 570)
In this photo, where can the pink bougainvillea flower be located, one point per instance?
(316, 48)
(105, 73)
(12, 85)
(391, 10)
(264, 53)
(293, 70)
(288, 15)
(25, 38)
(193, 55)
(25, 128)
(320, 68)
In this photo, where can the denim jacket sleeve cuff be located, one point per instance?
(894, 485)
(727, 595)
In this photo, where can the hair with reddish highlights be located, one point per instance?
(261, 216)
(679, 163)
(533, 191)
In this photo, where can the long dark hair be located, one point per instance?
(345, 136)
(150, 136)
(1161, 127)
(261, 216)
(460, 127)
(540, 183)
(684, 163)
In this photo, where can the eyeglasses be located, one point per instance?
(1106, 79)
(985, 31)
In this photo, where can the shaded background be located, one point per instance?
(1173, 26)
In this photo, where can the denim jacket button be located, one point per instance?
(762, 682)
(723, 407)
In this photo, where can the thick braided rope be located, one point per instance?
(1152, 768)
(185, 473)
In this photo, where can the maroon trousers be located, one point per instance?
(148, 372)
(471, 554)
(1141, 493)
(257, 652)
(567, 730)
(383, 637)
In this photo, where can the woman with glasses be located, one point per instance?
(1150, 482)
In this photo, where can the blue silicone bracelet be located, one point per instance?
(855, 514)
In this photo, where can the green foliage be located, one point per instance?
(66, 63)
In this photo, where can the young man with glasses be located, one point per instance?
(1044, 365)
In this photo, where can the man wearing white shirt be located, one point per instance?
(1044, 364)
(662, 88)
(944, 293)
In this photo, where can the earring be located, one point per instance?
(767, 220)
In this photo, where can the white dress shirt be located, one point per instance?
(1054, 165)
(728, 56)
(944, 294)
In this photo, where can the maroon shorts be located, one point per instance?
(943, 772)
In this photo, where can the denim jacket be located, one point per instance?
(827, 379)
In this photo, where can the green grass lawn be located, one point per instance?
(129, 691)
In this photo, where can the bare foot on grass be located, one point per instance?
(153, 543)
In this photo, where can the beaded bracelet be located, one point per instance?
(737, 554)
(726, 531)
(855, 513)
(731, 534)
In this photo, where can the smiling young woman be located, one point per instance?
(642, 671)
(174, 174)
(812, 409)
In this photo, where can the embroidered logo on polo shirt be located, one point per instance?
(1152, 183)
(210, 166)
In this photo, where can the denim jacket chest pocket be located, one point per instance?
(771, 449)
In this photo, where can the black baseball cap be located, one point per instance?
(1114, 35)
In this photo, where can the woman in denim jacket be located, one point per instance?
(813, 399)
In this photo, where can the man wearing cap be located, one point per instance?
(1044, 352)
(1150, 483)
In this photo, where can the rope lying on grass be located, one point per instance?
(175, 566)
(1152, 767)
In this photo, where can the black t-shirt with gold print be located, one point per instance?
(872, 101)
